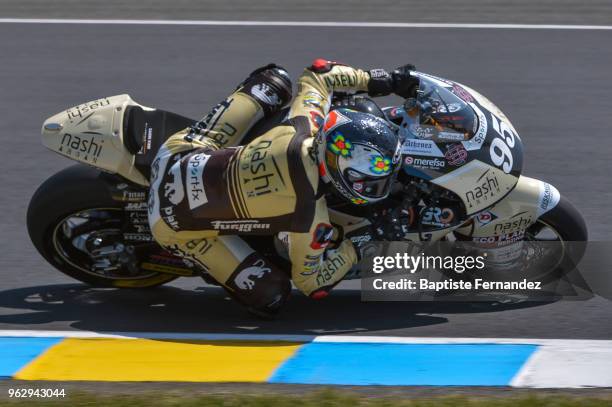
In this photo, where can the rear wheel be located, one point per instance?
(77, 226)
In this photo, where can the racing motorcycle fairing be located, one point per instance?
(114, 134)
(508, 219)
(447, 127)
(478, 185)
(92, 133)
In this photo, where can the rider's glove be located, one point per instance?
(364, 241)
(389, 224)
(380, 83)
(404, 84)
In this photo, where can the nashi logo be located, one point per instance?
(485, 190)
(84, 148)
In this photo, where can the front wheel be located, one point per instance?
(563, 231)
(77, 226)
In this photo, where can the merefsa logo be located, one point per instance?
(424, 162)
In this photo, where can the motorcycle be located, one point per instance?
(460, 180)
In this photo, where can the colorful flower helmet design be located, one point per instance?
(380, 165)
(357, 155)
(339, 145)
(359, 201)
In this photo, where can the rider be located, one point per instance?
(206, 190)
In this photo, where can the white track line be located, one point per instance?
(155, 335)
(350, 24)
(303, 338)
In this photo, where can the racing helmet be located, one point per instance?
(358, 154)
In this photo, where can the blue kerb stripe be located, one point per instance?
(404, 364)
(15, 353)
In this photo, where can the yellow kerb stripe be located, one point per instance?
(158, 360)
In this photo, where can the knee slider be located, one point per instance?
(270, 86)
(259, 285)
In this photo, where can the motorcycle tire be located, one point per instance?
(569, 225)
(71, 191)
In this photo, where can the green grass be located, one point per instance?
(327, 398)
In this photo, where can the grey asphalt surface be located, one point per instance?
(554, 86)
(598, 12)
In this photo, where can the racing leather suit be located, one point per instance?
(206, 190)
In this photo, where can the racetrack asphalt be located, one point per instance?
(554, 86)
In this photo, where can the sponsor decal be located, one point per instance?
(549, 198)
(138, 217)
(378, 73)
(138, 237)
(501, 240)
(359, 239)
(223, 134)
(147, 138)
(311, 265)
(133, 196)
(358, 186)
(484, 192)
(422, 132)
(321, 236)
(340, 80)
(434, 163)
(340, 188)
(451, 135)
(475, 143)
(195, 183)
(167, 214)
(380, 165)
(339, 145)
(260, 169)
(456, 154)
(520, 221)
(484, 218)
(266, 94)
(421, 147)
(462, 93)
(246, 278)
(329, 268)
(333, 120)
(546, 197)
(313, 99)
(81, 147)
(77, 112)
(439, 217)
(450, 108)
(136, 206)
(243, 225)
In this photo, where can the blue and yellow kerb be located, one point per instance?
(272, 361)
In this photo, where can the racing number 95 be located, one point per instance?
(500, 152)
